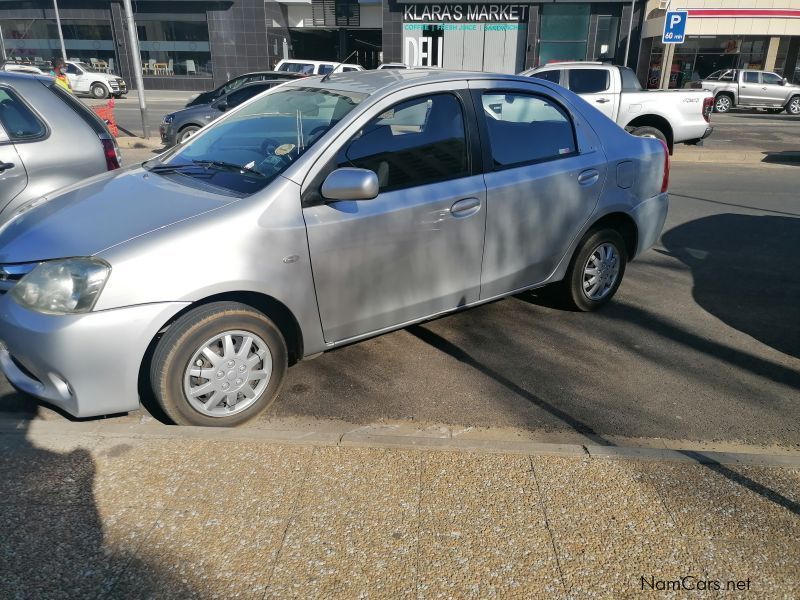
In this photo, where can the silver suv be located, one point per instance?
(317, 214)
(48, 140)
(744, 88)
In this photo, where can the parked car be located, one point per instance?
(393, 66)
(314, 215)
(48, 140)
(179, 126)
(236, 82)
(86, 80)
(30, 69)
(315, 67)
(745, 88)
(673, 116)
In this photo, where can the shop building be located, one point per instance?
(753, 35)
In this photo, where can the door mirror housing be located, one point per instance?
(222, 105)
(350, 184)
(784, 81)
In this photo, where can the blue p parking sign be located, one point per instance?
(675, 27)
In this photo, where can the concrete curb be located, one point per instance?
(382, 437)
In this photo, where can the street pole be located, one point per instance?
(2, 46)
(133, 49)
(60, 33)
(630, 30)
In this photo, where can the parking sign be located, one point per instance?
(675, 27)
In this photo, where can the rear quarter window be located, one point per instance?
(630, 83)
(86, 115)
(18, 119)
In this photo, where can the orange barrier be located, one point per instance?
(106, 113)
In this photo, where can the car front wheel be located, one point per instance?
(186, 133)
(596, 270)
(793, 108)
(99, 91)
(218, 365)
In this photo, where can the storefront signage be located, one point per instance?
(460, 13)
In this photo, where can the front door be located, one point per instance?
(415, 250)
(773, 89)
(543, 183)
(14, 118)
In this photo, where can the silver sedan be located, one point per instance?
(320, 213)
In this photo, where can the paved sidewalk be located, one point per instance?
(85, 515)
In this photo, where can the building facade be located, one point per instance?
(720, 34)
(196, 44)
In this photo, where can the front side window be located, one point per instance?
(524, 128)
(417, 142)
(245, 151)
(18, 120)
(588, 81)
(771, 79)
(554, 76)
(72, 69)
(751, 77)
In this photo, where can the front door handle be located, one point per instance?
(602, 100)
(589, 177)
(5, 166)
(465, 207)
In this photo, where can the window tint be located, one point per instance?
(18, 120)
(554, 76)
(751, 77)
(72, 69)
(630, 83)
(524, 128)
(771, 79)
(325, 69)
(305, 68)
(588, 81)
(348, 69)
(417, 142)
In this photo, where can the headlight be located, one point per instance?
(65, 286)
(169, 118)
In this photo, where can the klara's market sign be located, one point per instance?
(465, 13)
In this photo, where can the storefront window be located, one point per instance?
(606, 43)
(174, 48)
(564, 32)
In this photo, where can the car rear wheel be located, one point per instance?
(218, 365)
(186, 133)
(793, 108)
(722, 104)
(596, 270)
(99, 91)
(649, 132)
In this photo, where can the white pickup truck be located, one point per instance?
(674, 116)
(85, 79)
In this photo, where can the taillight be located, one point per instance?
(708, 106)
(110, 151)
(665, 180)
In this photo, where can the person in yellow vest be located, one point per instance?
(60, 75)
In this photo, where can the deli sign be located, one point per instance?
(465, 13)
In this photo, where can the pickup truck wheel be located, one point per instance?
(722, 104)
(99, 91)
(793, 108)
(187, 132)
(649, 132)
(596, 270)
(218, 365)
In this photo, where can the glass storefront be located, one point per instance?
(564, 32)
(174, 48)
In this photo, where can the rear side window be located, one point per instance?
(416, 142)
(554, 76)
(750, 77)
(325, 69)
(91, 119)
(630, 83)
(524, 128)
(588, 81)
(239, 96)
(19, 121)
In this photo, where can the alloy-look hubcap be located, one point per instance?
(228, 373)
(794, 106)
(723, 104)
(601, 271)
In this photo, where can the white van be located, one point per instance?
(315, 67)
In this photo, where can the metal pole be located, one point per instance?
(133, 49)
(60, 33)
(2, 46)
(630, 30)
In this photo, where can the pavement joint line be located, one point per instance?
(11, 428)
(547, 525)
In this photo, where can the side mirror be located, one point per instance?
(222, 105)
(784, 81)
(350, 184)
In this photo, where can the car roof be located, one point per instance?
(384, 80)
(278, 73)
(575, 63)
(12, 76)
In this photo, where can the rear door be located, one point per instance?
(18, 123)
(595, 85)
(750, 88)
(544, 175)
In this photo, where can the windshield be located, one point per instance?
(86, 67)
(251, 147)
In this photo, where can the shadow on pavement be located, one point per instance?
(745, 274)
(787, 157)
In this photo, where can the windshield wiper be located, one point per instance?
(166, 168)
(221, 164)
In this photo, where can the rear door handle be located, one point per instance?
(589, 177)
(5, 166)
(465, 207)
(602, 100)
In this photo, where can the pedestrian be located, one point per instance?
(60, 75)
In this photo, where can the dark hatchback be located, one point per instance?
(237, 82)
(181, 125)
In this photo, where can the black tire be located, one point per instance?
(99, 91)
(187, 132)
(187, 335)
(723, 103)
(793, 106)
(650, 132)
(571, 289)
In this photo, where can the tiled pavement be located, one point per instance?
(86, 516)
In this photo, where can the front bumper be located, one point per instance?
(168, 136)
(650, 216)
(87, 364)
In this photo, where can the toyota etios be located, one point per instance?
(322, 212)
